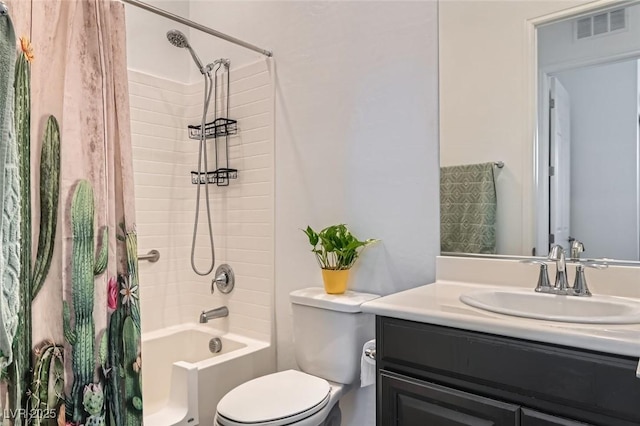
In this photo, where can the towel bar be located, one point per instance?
(153, 256)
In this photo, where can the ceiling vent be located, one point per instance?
(602, 23)
(617, 20)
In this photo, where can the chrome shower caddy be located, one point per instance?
(218, 177)
(214, 129)
(218, 128)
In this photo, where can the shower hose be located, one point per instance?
(202, 158)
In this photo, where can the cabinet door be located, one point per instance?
(535, 418)
(411, 402)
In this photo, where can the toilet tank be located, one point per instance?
(329, 331)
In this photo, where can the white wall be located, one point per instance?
(357, 122)
(486, 101)
(148, 50)
(604, 155)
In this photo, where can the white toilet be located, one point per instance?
(329, 332)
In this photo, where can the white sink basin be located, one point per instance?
(528, 304)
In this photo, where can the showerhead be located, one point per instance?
(178, 39)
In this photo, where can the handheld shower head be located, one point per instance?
(178, 39)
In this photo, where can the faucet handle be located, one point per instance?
(576, 248)
(595, 264)
(580, 287)
(543, 285)
(224, 279)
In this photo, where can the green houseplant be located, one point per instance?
(336, 250)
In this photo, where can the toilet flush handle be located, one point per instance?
(370, 353)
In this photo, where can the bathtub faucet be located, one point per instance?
(220, 312)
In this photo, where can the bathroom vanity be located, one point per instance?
(441, 362)
(434, 375)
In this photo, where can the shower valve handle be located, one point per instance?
(224, 279)
(221, 279)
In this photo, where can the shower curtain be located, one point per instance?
(76, 354)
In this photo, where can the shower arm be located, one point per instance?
(197, 26)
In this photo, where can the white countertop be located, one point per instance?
(439, 304)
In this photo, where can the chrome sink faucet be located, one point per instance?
(557, 254)
(220, 312)
(561, 286)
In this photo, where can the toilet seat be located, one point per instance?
(274, 400)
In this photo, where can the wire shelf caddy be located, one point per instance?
(214, 129)
(218, 177)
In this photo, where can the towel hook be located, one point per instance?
(4, 10)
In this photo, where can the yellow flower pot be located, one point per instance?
(335, 281)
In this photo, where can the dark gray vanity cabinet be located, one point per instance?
(535, 418)
(431, 375)
(410, 402)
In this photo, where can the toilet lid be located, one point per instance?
(276, 399)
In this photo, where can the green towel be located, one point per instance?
(9, 195)
(468, 209)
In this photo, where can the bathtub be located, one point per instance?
(182, 381)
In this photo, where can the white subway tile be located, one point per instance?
(253, 82)
(241, 112)
(154, 81)
(255, 121)
(165, 202)
(250, 310)
(249, 323)
(262, 298)
(249, 70)
(247, 135)
(252, 95)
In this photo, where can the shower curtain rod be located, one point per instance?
(197, 26)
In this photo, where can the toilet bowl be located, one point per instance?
(286, 398)
(329, 332)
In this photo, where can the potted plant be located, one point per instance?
(336, 251)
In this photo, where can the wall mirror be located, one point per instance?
(552, 91)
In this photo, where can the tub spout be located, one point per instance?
(220, 312)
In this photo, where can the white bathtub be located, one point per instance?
(182, 381)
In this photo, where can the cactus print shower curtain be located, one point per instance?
(75, 358)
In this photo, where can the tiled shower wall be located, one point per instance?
(243, 212)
